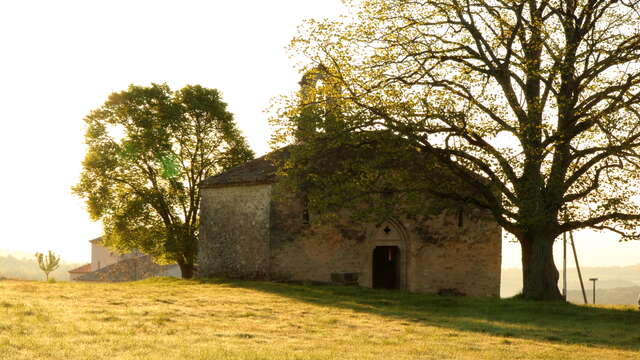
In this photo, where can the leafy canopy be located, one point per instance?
(148, 149)
(539, 97)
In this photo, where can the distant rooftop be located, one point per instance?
(81, 270)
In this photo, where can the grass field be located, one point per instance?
(176, 319)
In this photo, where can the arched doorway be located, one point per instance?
(386, 267)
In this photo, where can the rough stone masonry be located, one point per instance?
(252, 228)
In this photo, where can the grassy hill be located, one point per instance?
(177, 319)
(615, 296)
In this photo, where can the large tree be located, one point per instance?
(148, 149)
(532, 104)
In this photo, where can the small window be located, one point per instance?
(305, 210)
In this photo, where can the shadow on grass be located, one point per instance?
(556, 322)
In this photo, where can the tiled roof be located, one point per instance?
(257, 171)
(82, 269)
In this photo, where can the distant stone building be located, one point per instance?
(109, 266)
(252, 228)
(103, 257)
(78, 272)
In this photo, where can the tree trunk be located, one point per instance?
(539, 273)
(187, 270)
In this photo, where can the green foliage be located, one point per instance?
(48, 263)
(374, 174)
(533, 106)
(148, 149)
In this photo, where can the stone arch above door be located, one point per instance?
(391, 228)
(389, 233)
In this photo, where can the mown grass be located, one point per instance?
(176, 319)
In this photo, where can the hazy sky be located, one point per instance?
(60, 59)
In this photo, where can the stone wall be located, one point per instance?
(259, 231)
(300, 251)
(234, 233)
(315, 255)
(436, 254)
(464, 258)
(131, 269)
(102, 257)
(76, 276)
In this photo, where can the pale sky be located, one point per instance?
(61, 59)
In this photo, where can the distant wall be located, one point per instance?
(129, 270)
(102, 257)
(75, 276)
(234, 233)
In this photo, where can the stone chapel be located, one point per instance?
(251, 228)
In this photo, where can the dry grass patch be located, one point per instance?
(175, 319)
